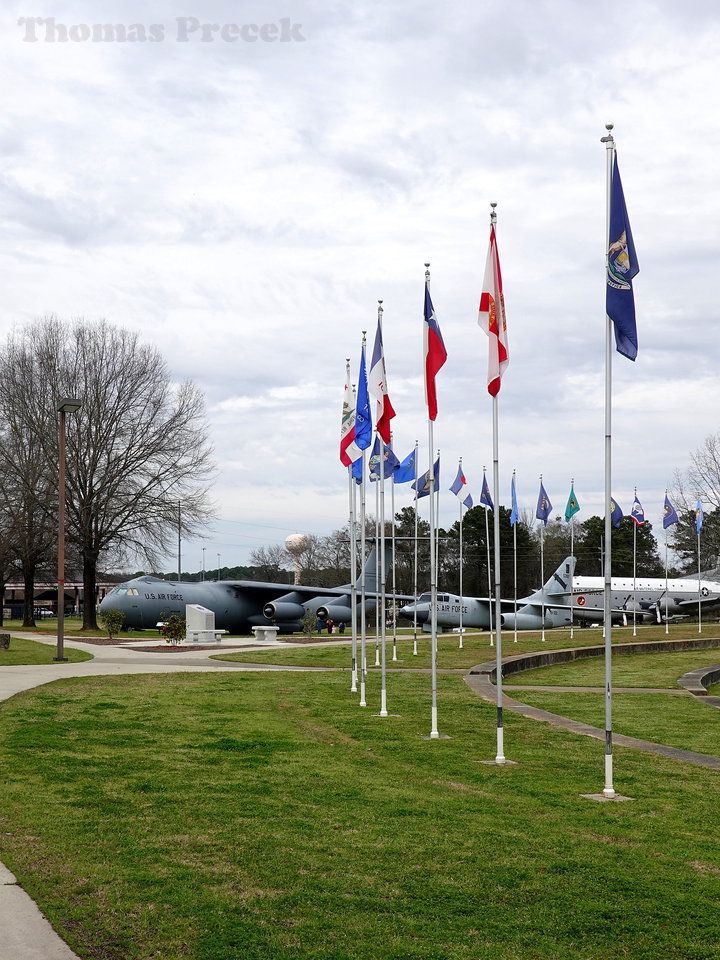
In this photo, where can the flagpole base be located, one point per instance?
(363, 702)
(415, 653)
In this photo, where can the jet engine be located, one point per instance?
(524, 621)
(285, 608)
(339, 612)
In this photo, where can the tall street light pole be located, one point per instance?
(66, 405)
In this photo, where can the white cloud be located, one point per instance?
(245, 205)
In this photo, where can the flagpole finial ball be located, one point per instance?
(609, 126)
(493, 205)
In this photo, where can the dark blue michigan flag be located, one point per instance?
(622, 266)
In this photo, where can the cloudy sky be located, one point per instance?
(243, 195)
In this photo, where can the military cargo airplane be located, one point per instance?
(563, 591)
(238, 605)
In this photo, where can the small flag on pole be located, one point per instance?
(349, 450)
(544, 507)
(616, 513)
(637, 513)
(406, 470)
(458, 488)
(377, 381)
(422, 484)
(622, 267)
(435, 355)
(485, 498)
(491, 317)
(699, 517)
(514, 513)
(572, 506)
(669, 514)
(356, 470)
(363, 417)
(391, 461)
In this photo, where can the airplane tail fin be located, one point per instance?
(372, 584)
(558, 588)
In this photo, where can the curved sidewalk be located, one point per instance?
(481, 680)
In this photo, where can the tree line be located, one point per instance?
(137, 457)
(326, 560)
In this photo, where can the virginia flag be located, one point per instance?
(514, 513)
(363, 420)
(406, 470)
(349, 450)
(616, 513)
(622, 267)
(572, 506)
(491, 317)
(377, 380)
(485, 497)
(458, 488)
(637, 513)
(669, 514)
(699, 517)
(544, 507)
(435, 355)
(422, 484)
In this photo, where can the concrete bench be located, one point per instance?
(265, 634)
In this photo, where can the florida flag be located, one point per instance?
(435, 355)
(348, 449)
(491, 318)
(377, 385)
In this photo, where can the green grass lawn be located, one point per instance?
(268, 817)
(31, 652)
(683, 722)
(634, 670)
(73, 627)
(476, 647)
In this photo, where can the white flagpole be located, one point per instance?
(500, 756)
(542, 570)
(666, 578)
(572, 557)
(415, 565)
(434, 733)
(515, 570)
(392, 544)
(489, 572)
(353, 569)
(608, 789)
(363, 611)
(437, 524)
(383, 670)
(635, 572)
(377, 571)
(461, 564)
(699, 585)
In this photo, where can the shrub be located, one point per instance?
(112, 621)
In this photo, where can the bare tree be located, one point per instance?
(136, 449)
(702, 478)
(271, 563)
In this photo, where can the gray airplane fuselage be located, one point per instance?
(565, 599)
(238, 605)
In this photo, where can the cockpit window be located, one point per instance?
(119, 591)
(425, 598)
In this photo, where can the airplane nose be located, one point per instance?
(408, 612)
